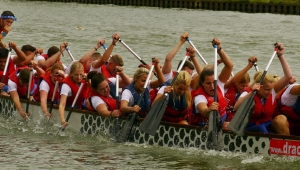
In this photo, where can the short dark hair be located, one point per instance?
(24, 75)
(28, 47)
(97, 79)
(186, 64)
(52, 50)
(3, 52)
(7, 13)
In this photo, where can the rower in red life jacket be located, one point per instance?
(104, 91)
(6, 20)
(179, 99)
(13, 59)
(264, 99)
(17, 85)
(53, 55)
(132, 92)
(87, 59)
(287, 108)
(188, 66)
(106, 65)
(69, 90)
(45, 90)
(203, 96)
(234, 87)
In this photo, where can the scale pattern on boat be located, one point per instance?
(171, 136)
(168, 136)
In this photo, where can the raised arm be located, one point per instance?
(160, 77)
(20, 55)
(39, 71)
(283, 81)
(107, 53)
(88, 55)
(53, 59)
(167, 67)
(239, 75)
(124, 78)
(228, 65)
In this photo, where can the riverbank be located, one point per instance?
(291, 7)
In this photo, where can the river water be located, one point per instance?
(149, 32)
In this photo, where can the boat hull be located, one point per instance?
(168, 134)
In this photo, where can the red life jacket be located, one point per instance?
(74, 88)
(10, 69)
(285, 110)
(22, 90)
(45, 56)
(175, 116)
(105, 72)
(110, 102)
(47, 78)
(230, 95)
(196, 118)
(261, 113)
(152, 94)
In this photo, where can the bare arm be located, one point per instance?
(239, 75)
(88, 55)
(107, 53)
(228, 65)
(15, 97)
(283, 81)
(20, 55)
(167, 67)
(61, 110)
(295, 90)
(53, 59)
(43, 98)
(160, 76)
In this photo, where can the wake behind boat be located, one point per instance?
(167, 135)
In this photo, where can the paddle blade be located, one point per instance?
(242, 116)
(152, 121)
(215, 133)
(126, 131)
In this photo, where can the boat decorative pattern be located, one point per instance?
(171, 136)
(167, 136)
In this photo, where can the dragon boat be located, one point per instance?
(167, 135)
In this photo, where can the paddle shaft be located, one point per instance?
(255, 66)
(70, 54)
(75, 100)
(215, 112)
(28, 90)
(201, 57)
(126, 46)
(139, 58)
(53, 96)
(6, 65)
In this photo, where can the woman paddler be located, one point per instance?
(103, 93)
(234, 87)
(132, 92)
(203, 96)
(18, 83)
(261, 119)
(45, 90)
(69, 90)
